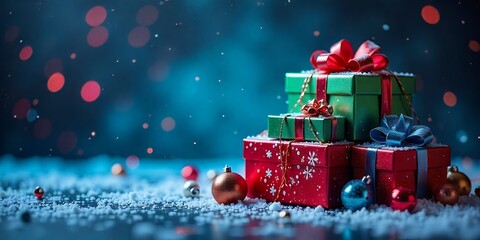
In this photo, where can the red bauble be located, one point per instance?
(229, 187)
(403, 199)
(118, 170)
(447, 194)
(190, 173)
(38, 192)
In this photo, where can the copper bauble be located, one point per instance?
(460, 180)
(447, 194)
(229, 187)
(403, 199)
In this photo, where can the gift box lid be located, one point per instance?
(349, 83)
(299, 153)
(401, 158)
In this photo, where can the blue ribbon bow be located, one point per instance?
(401, 131)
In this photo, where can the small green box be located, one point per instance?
(356, 96)
(322, 126)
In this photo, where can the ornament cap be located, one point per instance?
(195, 191)
(453, 168)
(227, 169)
(367, 179)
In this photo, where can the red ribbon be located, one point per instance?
(341, 58)
(314, 108)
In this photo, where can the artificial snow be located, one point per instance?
(150, 200)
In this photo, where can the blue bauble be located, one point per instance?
(357, 194)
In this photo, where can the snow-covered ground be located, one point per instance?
(84, 200)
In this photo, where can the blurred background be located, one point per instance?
(192, 78)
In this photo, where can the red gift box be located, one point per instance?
(313, 175)
(398, 167)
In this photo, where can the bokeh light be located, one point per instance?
(25, 53)
(90, 91)
(96, 16)
(52, 66)
(474, 45)
(12, 33)
(145, 125)
(97, 36)
(67, 141)
(73, 56)
(462, 136)
(20, 109)
(42, 128)
(139, 36)
(147, 15)
(55, 82)
(316, 33)
(386, 27)
(149, 150)
(132, 161)
(450, 99)
(158, 71)
(32, 115)
(168, 124)
(430, 14)
(467, 162)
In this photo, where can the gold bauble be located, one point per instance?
(459, 180)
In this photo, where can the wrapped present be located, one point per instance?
(315, 123)
(303, 173)
(401, 157)
(357, 86)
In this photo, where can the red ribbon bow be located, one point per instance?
(341, 58)
(315, 108)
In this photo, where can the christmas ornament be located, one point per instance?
(191, 189)
(211, 174)
(118, 170)
(447, 194)
(403, 199)
(357, 194)
(26, 217)
(38, 192)
(477, 191)
(284, 214)
(460, 180)
(229, 187)
(189, 173)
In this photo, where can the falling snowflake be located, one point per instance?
(308, 173)
(269, 154)
(312, 159)
(273, 190)
(268, 173)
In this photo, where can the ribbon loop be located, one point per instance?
(315, 108)
(401, 131)
(341, 58)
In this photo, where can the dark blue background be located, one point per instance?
(239, 50)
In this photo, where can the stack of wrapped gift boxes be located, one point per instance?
(350, 117)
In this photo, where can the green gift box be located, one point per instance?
(356, 96)
(299, 127)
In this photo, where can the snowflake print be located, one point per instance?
(312, 159)
(268, 173)
(269, 154)
(292, 180)
(308, 173)
(273, 190)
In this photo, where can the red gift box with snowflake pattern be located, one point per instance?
(300, 173)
